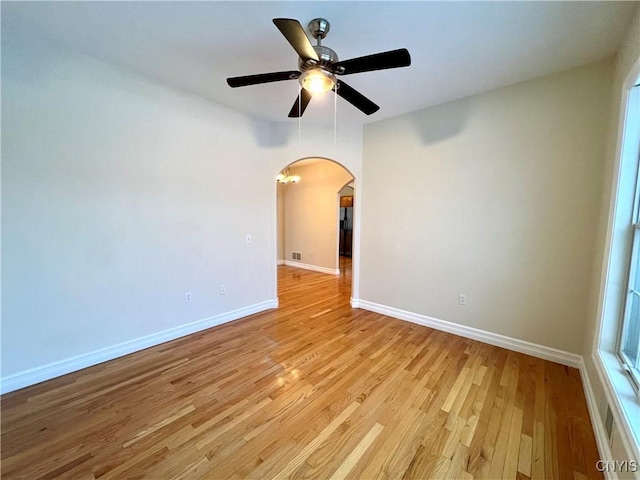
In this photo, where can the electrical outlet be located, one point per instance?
(223, 290)
(462, 299)
(248, 239)
(187, 297)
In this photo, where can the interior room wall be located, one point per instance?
(119, 195)
(496, 197)
(311, 212)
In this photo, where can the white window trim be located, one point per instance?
(619, 392)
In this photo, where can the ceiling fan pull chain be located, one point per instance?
(299, 115)
(335, 119)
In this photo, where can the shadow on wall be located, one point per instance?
(272, 135)
(262, 133)
(442, 122)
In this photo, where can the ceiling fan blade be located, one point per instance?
(298, 108)
(262, 78)
(356, 99)
(294, 33)
(377, 61)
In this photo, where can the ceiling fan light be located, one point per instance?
(317, 80)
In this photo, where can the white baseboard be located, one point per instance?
(517, 345)
(280, 262)
(62, 367)
(596, 420)
(315, 268)
(354, 302)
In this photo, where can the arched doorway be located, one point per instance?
(307, 219)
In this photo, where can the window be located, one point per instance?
(630, 338)
(629, 347)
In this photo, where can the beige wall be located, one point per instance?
(495, 196)
(311, 212)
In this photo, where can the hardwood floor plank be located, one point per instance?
(314, 389)
(513, 447)
(337, 448)
(355, 455)
(537, 457)
(296, 461)
(157, 426)
(524, 457)
(421, 464)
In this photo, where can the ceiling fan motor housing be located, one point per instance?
(327, 57)
(319, 27)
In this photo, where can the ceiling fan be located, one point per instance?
(318, 66)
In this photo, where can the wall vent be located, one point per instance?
(296, 256)
(608, 422)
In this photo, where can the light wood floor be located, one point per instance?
(314, 389)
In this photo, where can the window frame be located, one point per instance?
(627, 362)
(632, 371)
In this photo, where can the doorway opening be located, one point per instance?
(311, 235)
(345, 226)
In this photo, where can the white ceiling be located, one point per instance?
(457, 48)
